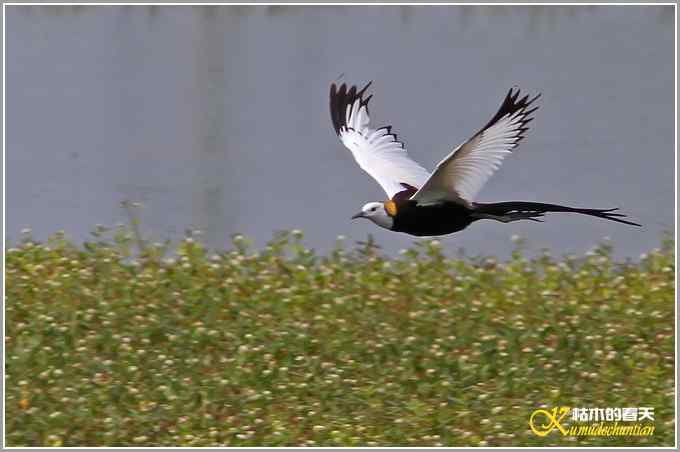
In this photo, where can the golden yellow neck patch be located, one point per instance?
(391, 207)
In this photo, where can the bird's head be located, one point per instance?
(376, 212)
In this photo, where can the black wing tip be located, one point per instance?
(361, 92)
(514, 104)
(348, 87)
(342, 96)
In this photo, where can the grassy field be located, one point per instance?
(285, 347)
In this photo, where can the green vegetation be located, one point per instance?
(285, 347)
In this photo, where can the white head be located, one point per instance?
(376, 212)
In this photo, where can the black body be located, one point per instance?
(437, 219)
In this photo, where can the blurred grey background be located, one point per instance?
(217, 117)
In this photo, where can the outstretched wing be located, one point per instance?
(461, 175)
(377, 151)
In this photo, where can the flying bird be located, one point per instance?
(424, 204)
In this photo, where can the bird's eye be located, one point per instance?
(374, 209)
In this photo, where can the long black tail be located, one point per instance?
(537, 209)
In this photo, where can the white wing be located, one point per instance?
(461, 175)
(377, 151)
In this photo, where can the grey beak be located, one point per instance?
(358, 215)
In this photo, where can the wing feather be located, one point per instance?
(377, 151)
(461, 175)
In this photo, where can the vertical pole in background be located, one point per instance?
(210, 153)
